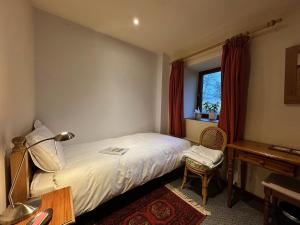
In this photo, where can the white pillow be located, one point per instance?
(37, 124)
(48, 155)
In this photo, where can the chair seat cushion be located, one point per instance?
(198, 166)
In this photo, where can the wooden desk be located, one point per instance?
(259, 154)
(62, 204)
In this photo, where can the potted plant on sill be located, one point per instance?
(197, 114)
(211, 109)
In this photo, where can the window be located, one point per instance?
(209, 89)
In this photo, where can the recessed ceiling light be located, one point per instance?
(136, 21)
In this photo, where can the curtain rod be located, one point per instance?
(271, 23)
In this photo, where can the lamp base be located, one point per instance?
(20, 212)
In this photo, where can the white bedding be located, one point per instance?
(96, 177)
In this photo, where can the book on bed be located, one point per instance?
(114, 151)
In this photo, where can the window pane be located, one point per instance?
(211, 89)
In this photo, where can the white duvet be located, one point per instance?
(96, 177)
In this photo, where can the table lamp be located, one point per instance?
(16, 212)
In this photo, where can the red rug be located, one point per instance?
(159, 207)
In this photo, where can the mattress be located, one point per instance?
(95, 177)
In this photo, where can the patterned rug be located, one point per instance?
(163, 206)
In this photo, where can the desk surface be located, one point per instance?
(62, 204)
(264, 150)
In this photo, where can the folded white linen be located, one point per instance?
(198, 158)
(211, 154)
(203, 155)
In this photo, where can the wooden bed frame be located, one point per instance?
(22, 188)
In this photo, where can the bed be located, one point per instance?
(96, 177)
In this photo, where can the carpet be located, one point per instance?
(162, 206)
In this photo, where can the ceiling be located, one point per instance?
(175, 27)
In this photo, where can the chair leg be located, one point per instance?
(184, 177)
(267, 205)
(204, 190)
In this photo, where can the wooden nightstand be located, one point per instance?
(62, 204)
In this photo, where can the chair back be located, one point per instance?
(213, 138)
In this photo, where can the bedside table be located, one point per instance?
(62, 204)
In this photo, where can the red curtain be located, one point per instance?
(235, 75)
(176, 99)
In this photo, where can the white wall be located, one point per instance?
(16, 78)
(190, 86)
(206, 60)
(165, 95)
(92, 84)
(195, 127)
(162, 94)
(269, 120)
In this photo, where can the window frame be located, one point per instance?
(200, 86)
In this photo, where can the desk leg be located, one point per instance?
(243, 176)
(267, 205)
(230, 154)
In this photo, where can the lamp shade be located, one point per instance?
(64, 136)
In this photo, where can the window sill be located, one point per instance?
(204, 120)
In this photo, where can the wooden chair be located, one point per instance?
(213, 138)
